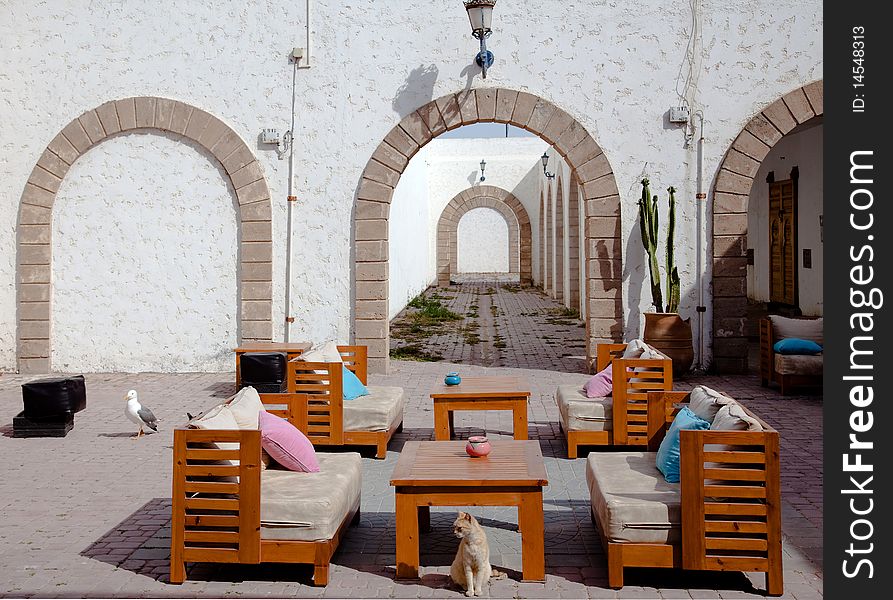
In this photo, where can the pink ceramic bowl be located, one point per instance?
(477, 446)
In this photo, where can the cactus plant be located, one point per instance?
(649, 225)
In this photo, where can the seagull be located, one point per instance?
(139, 414)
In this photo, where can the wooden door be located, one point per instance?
(783, 241)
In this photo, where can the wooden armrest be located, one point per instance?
(204, 483)
(356, 358)
(661, 410)
(605, 353)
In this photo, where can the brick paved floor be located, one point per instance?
(88, 515)
(504, 325)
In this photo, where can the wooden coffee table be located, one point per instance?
(481, 393)
(291, 349)
(442, 474)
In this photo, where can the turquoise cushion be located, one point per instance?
(796, 346)
(668, 453)
(351, 386)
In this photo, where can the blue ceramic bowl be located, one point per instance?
(452, 378)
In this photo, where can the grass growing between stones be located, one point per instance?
(415, 353)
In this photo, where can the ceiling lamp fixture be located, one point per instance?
(480, 13)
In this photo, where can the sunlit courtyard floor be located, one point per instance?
(89, 514)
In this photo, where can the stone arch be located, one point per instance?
(503, 202)
(573, 244)
(542, 240)
(500, 105)
(559, 292)
(731, 191)
(34, 243)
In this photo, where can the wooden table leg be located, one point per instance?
(408, 536)
(238, 371)
(519, 414)
(441, 422)
(530, 522)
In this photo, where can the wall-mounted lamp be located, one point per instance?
(545, 159)
(483, 166)
(480, 13)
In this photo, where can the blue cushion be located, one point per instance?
(668, 453)
(796, 346)
(351, 386)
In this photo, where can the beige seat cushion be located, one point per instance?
(799, 364)
(309, 506)
(804, 329)
(379, 411)
(579, 413)
(631, 500)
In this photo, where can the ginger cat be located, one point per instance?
(471, 568)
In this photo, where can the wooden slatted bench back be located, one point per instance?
(731, 492)
(216, 506)
(632, 380)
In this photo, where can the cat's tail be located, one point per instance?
(494, 574)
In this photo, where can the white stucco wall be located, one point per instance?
(144, 263)
(410, 248)
(804, 150)
(231, 60)
(483, 242)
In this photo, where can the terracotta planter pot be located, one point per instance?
(671, 335)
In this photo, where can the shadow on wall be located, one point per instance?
(416, 91)
(635, 271)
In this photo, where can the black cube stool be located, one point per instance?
(265, 371)
(49, 406)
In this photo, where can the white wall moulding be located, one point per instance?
(731, 189)
(527, 111)
(34, 243)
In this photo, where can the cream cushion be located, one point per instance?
(579, 413)
(245, 407)
(327, 352)
(631, 500)
(732, 417)
(219, 417)
(706, 402)
(804, 329)
(380, 410)
(799, 364)
(634, 349)
(309, 506)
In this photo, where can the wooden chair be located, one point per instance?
(315, 402)
(632, 379)
(793, 377)
(730, 502)
(216, 515)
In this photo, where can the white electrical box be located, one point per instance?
(679, 114)
(269, 136)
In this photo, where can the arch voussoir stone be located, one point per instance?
(448, 112)
(34, 240)
(731, 190)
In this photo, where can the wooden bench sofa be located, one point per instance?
(622, 418)
(790, 370)
(317, 407)
(724, 515)
(228, 508)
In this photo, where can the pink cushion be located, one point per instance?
(286, 444)
(600, 385)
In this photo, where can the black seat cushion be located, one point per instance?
(54, 396)
(264, 371)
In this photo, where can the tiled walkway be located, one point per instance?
(503, 325)
(88, 515)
